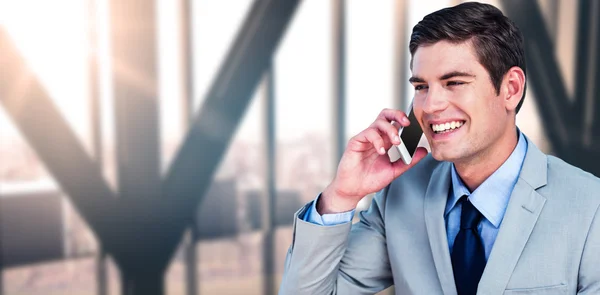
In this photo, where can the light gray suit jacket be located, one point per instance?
(548, 242)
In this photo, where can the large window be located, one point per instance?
(227, 237)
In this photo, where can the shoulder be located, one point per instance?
(571, 187)
(563, 174)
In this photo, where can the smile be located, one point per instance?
(446, 127)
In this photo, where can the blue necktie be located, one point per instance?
(468, 255)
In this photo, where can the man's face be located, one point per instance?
(456, 103)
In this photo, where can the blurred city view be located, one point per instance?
(163, 147)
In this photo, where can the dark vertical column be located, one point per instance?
(338, 26)
(400, 54)
(96, 115)
(191, 260)
(134, 62)
(270, 203)
(147, 283)
(585, 53)
(187, 74)
(543, 75)
(592, 95)
(101, 273)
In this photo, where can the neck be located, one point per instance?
(475, 170)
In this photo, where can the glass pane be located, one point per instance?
(215, 25)
(370, 58)
(175, 276)
(67, 277)
(172, 125)
(227, 261)
(303, 102)
(113, 277)
(226, 254)
(304, 116)
(56, 52)
(20, 163)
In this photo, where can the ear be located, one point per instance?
(513, 87)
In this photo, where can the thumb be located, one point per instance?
(420, 153)
(400, 167)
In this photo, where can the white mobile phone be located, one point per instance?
(409, 137)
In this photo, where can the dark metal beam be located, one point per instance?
(586, 72)
(227, 100)
(37, 118)
(191, 262)
(187, 111)
(133, 35)
(582, 56)
(593, 76)
(134, 56)
(544, 75)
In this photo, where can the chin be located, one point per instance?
(441, 155)
(437, 155)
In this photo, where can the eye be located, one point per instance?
(455, 83)
(420, 87)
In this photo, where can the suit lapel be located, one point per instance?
(435, 204)
(522, 213)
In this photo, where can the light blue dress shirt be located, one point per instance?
(313, 216)
(490, 198)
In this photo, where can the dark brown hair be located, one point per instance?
(497, 41)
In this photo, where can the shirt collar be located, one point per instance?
(491, 197)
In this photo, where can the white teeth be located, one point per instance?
(446, 126)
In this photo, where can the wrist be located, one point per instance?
(332, 201)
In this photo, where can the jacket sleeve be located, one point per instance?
(339, 259)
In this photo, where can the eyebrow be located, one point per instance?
(416, 79)
(456, 74)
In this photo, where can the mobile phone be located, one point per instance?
(410, 137)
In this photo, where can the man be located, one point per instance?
(486, 212)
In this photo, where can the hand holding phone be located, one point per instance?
(410, 137)
(365, 166)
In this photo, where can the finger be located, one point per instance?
(372, 136)
(394, 115)
(362, 141)
(387, 130)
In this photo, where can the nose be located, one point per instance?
(435, 101)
